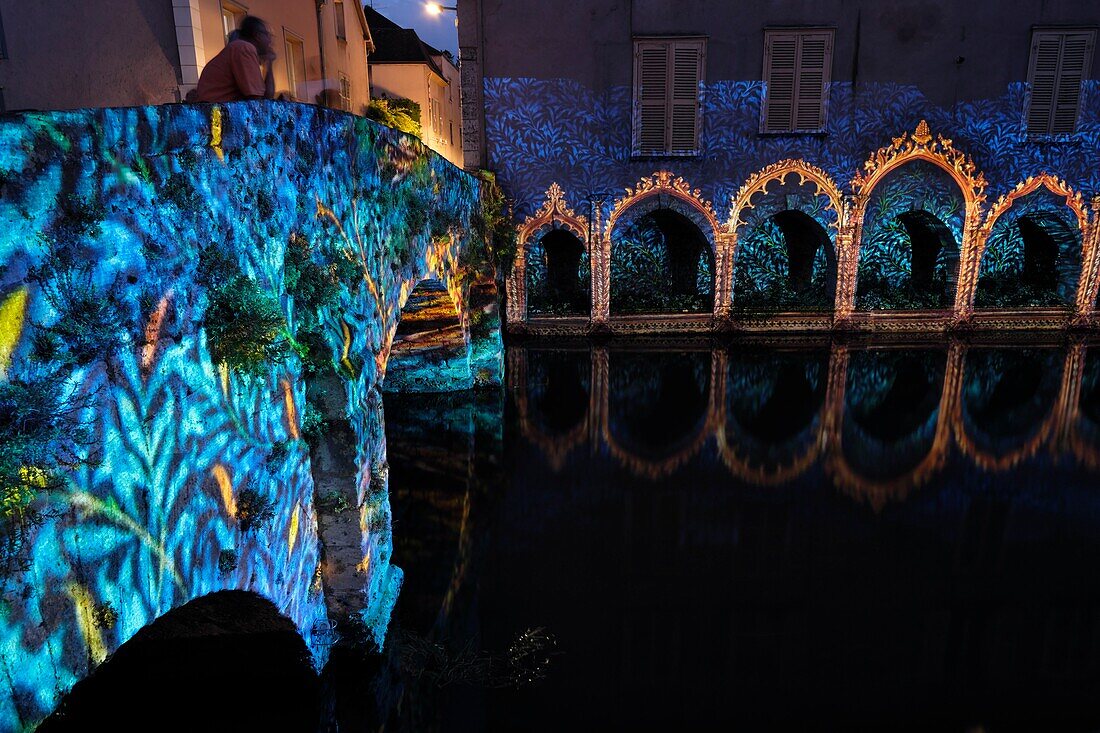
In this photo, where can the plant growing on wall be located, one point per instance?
(402, 114)
(493, 249)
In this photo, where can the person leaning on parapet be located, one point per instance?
(234, 74)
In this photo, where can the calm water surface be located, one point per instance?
(838, 537)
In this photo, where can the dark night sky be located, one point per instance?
(436, 30)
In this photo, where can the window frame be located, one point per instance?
(799, 32)
(345, 92)
(340, 20)
(234, 9)
(291, 38)
(1090, 58)
(700, 43)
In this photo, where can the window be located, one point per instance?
(295, 65)
(232, 15)
(667, 75)
(797, 67)
(1060, 59)
(345, 93)
(338, 13)
(3, 43)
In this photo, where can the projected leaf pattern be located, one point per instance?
(175, 438)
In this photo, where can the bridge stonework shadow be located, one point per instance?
(174, 282)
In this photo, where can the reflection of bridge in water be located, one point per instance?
(880, 420)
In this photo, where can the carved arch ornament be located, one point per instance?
(662, 183)
(919, 145)
(1076, 203)
(554, 213)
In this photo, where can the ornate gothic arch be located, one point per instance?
(758, 182)
(679, 191)
(909, 147)
(1075, 202)
(554, 212)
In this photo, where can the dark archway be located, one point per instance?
(558, 389)
(429, 352)
(928, 239)
(805, 237)
(226, 661)
(556, 285)
(1050, 263)
(663, 263)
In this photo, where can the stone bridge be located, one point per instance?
(186, 294)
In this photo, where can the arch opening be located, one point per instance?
(909, 242)
(662, 263)
(558, 390)
(1033, 261)
(228, 659)
(558, 275)
(430, 349)
(786, 263)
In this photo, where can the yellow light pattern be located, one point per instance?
(13, 311)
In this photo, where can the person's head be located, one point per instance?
(255, 31)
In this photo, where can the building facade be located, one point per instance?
(849, 161)
(404, 67)
(116, 53)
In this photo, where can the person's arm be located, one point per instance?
(269, 76)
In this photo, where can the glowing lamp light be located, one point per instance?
(437, 9)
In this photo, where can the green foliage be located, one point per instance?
(313, 422)
(104, 616)
(253, 509)
(876, 292)
(227, 561)
(245, 327)
(493, 248)
(335, 501)
(1006, 289)
(402, 114)
(751, 298)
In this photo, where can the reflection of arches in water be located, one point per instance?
(891, 410)
(662, 262)
(429, 352)
(558, 384)
(558, 275)
(1008, 403)
(228, 659)
(1085, 430)
(773, 410)
(658, 408)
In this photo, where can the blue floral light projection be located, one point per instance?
(545, 130)
(555, 286)
(168, 275)
(1032, 255)
(788, 228)
(915, 213)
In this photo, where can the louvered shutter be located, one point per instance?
(814, 64)
(780, 70)
(1059, 62)
(686, 71)
(651, 95)
(797, 68)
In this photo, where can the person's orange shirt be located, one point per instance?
(232, 75)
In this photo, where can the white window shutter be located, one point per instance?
(651, 97)
(815, 55)
(687, 67)
(780, 70)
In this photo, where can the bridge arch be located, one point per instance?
(230, 651)
(430, 344)
(907, 148)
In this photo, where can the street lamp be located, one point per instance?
(437, 9)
